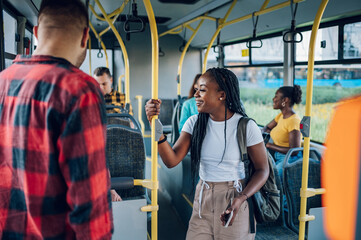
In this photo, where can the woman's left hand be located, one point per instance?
(237, 202)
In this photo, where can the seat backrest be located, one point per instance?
(292, 179)
(126, 156)
(118, 120)
(115, 109)
(123, 119)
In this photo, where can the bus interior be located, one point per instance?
(155, 48)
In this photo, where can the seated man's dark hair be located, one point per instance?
(99, 71)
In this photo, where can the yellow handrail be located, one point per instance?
(262, 11)
(155, 65)
(180, 65)
(124, 51)
(179, 28)
(306, 144)
(90, 55)
(101, 43)
(221, 21)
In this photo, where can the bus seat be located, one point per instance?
(123, 119)
(118, 120)
(278, 229)
(125, 153)
(292, 179)
(115, 109)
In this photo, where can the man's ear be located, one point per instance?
(84, 39)
(111, 79)
(35, 30)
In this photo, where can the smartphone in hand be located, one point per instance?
(228, 217)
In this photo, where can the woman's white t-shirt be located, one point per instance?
(231, 168)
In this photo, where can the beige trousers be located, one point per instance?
(214, 200)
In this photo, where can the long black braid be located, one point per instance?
(227, 82)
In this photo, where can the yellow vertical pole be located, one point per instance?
(180, 65)
(124, 51)
(90, 56)
(221, 21)
(306, 144)
(155, 65)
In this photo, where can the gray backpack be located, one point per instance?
(265, 204)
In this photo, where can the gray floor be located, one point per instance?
(170, 226)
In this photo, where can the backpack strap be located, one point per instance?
(242, 144)
(242, 137)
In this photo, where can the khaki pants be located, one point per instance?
(215, 198)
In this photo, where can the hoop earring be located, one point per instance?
(283, 104)
(221, 99)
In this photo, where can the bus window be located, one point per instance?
(352, 40)
(28, 49)
(8, 62)
(212, 57)
(270, 52)
(258, 86)
(331, 83)
(326, 45)
(10, 26)
(236, 54)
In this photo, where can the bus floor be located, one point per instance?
(170, 225)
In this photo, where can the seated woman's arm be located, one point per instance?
(269, 126)
(294, 138)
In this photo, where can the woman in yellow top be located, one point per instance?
(285, 128)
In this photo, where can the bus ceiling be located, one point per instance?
(170, 15)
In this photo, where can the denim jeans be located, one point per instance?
(279, 157)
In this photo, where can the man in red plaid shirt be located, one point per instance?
(54, 183)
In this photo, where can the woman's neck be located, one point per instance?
(287, 112)
(219, 115)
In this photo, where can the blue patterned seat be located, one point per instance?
(292, 179)
(276, 230)
(125, 153)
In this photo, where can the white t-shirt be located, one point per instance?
(231, 168)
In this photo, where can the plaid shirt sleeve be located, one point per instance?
(83, 164)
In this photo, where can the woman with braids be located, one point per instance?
(211, 138)
(285, 128)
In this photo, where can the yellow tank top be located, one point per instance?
(279, 134)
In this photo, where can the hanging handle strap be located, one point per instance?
(254, 36)
(133, 19)
(100, 54)
(293, 32)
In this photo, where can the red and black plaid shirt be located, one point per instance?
(54, 183)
